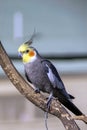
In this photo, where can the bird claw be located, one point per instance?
(37, 90)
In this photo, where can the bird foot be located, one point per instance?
(37, 90)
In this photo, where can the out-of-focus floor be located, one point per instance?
(17, 113)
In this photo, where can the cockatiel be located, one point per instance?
(44, 76)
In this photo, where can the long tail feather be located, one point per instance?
(68, 104)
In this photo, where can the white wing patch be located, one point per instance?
(51, 76)
(53, 79)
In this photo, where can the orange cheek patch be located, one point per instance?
(31, 53)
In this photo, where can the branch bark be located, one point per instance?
(39, 100)
(83, 118)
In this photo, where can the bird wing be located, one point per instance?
(55, 78)
(52, 74)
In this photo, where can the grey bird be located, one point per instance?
(44, 76)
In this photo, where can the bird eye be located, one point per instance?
(27, 51)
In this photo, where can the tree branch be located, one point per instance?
(83, 118)
(39, 100)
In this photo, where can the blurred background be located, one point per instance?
(62, 28)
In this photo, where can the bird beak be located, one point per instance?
(20, 54)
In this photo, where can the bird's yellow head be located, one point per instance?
(27, 53)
